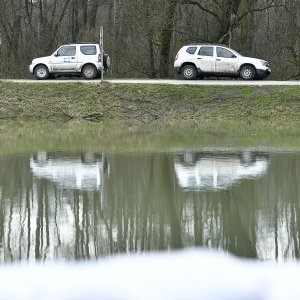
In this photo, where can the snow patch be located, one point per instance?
(189, 274)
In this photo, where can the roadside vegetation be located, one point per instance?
(147, 103)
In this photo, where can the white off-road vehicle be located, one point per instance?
(72, 59)
(201, 60)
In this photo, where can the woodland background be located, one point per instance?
(142, 37)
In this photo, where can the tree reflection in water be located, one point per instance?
(86, 206)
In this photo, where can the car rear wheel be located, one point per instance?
(189, 72)
(247, 73)
(89, 72)
(41, 72)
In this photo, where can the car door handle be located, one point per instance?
(199, 58)
(72, 57)
(218, 59)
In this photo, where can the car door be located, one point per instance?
(64, 59)
(205, 60)
(226, 61)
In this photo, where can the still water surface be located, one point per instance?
(87, 205)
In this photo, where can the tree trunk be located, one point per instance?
(166, 36)
(74, 20)
(229, 21)
(84, 7)
(93, 14)
(152, 72)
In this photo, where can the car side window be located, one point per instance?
(191, 50)
(88, 50)
(67, 51)
(222, 52)
(206, 51)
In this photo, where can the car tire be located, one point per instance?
(41, 72)
(89, 72)
(248, 73)
(189, 72)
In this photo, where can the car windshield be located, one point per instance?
(234, 52)
(229, 49)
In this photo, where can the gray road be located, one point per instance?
(169, 81)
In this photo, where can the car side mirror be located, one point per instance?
(233, 56)
(55, 53)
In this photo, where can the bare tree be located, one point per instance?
(142, 36)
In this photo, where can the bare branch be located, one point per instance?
(259, 10)
(203, 8)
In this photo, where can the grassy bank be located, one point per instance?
(63, 101)
(134, 136)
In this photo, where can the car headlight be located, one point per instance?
(265, 63)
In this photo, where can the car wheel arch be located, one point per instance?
(246, 64)
(187, 63)
(41, 64)
(87, 64)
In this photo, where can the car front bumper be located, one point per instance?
(31, 68)
(178, 70)
(262, 74)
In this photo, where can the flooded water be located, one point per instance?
(87, 204)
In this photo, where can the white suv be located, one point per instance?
(72, 59)
(199, 60)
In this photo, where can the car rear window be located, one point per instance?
(88, 50)
(191, 50)
(206, 51)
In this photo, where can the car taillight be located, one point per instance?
(176, 56)
(99, 58)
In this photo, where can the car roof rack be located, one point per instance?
(210, 44)
(82, 43)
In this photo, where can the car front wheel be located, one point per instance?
(189, 72)
(247, 73)
(89, 72)
(41, 72)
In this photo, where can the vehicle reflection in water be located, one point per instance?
(69, 171)
(55, 205)
(218, 170)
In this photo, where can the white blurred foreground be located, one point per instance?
(194, 274)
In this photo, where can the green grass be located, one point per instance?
(123, 102)
(145, 118)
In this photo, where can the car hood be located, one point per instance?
(41, 59)
(252, 60)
